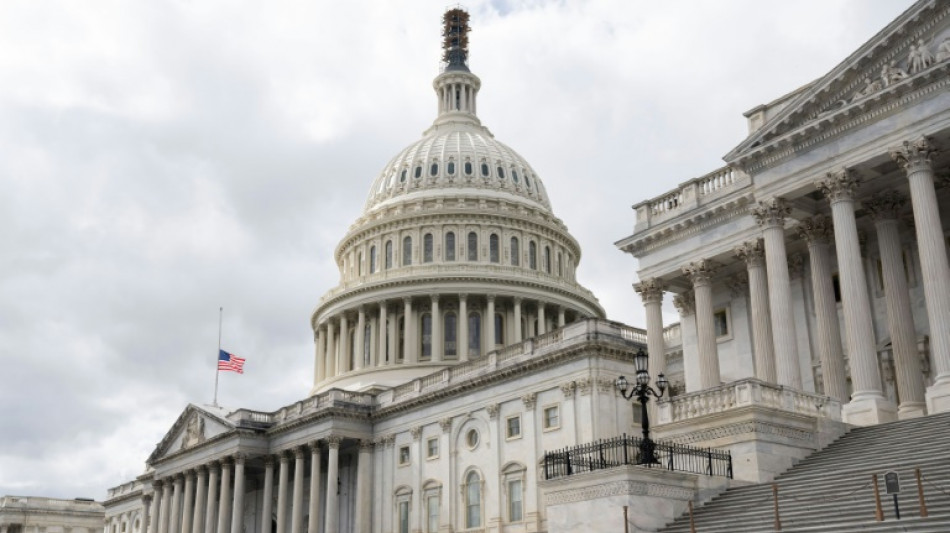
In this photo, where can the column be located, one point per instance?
(267, 509)
(224, 504)
(201, 500)
(154, 525)
(381, 354)
(147, 513)
(770, 215)
(187, 505)
(915, 158)
(685, 303)
(313, 522)
(360, 339)
(213, 469)
(343, 346)
(518, 337)
(700, 275)
(237, 513)
(393, 330)
(330, 353)
(753, 253)
(461, 337)
(174, 513)
(296, 510)
(815, 231)
(373, 356)
(560, 317)
(319, 364)
(868, 405)
(282, 494)
(436, 337)
(364, 482)
(651, 293)
(333, 465)
(489, 322)
(408, 352)
(884, 209)
(542, 320)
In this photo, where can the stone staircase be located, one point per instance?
(831, 490)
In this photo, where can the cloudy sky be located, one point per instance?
(161, 159)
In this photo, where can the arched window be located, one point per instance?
(473, 500)
(485, 169)
(372, 259)
(499, 329)
(359, 264)
(367, 344)
(472, 246)
(418, 171)
(427, 248)
(450, 168)
(515, 252)
(513, 477)
(474, 334)
(402, 176)
(501, 173)
(547, 259)
(450, 246)
(407, 251)
(468, 168)
(532, 255)
(434, 169)
(514, 176)
(425, 327)
(493, 248)
(560, 270)
(450, 334)
(389, 254)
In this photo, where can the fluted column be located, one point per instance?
(651, 293)
(753, 254)
(392, 343)
(158, 512)
(343, 346)
(685, 304)
(201, 499)
(174, 513)
(296, 510)
(333, 471)
(360, 339)
(319, 364)
(816, 231)
(518, 334)
(383, 336)
(884, 209)
(237, 512)
(542, 319)
(461, 337)
(408, 347)
(700, 275)
(770, 215)
(330, 352)
(211, 505)
(267, 508)
(868, 405)
(187, 504)
(490, 323)
(313, 522)
(364, 483)
(224, 504)
(282, 494)
(147, 511)
(560, 317)
(436, 332)
(916, 160)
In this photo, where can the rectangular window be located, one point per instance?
(514, 501)
(432, 447)
(552, 417)
(513, 427)
(432, 510)
(404, 455)
(721, 323)
(404, 517)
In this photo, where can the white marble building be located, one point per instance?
(32, 514)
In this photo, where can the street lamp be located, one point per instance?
(642, 390)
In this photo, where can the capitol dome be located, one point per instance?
(457, 254)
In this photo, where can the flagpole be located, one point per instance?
(216, 356)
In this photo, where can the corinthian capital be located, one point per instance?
(886, 205)
(839, 186)
(771, 212)
(815, 229)
(914, 155)
(650, 290)
(752, 252)
(700, 272)
(685, 303)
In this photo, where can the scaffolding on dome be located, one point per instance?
(455, 30)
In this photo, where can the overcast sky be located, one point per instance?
(161, 159)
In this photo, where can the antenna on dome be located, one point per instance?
(455, 39)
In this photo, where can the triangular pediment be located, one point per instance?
(194, 426)
(880, 71)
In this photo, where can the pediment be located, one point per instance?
(194, 426)
(912, 51)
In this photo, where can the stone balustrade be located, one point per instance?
(744, 393)
(689, 195)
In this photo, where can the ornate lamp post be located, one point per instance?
(642, 390)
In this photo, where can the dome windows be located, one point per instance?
(472, 246)
(468, 168)
(515, 252)
(450, 168)
(402, 176)
(501, 173)
(514, 176)
(427, 248)
(418, 172)
(527, 180)
(485, 170)
(434, 169)
(450, 246)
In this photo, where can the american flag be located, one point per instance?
(228, 361)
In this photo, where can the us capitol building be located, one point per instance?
(811, 275)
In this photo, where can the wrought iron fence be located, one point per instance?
(628, 450)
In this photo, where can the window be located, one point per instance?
(450, 168)
(468, 168)
(404, 455)
(434, 169)
(450, 246)
(485, 169)
(407, 251)
(499, 330)
(451, 334)
(513, 427)
(472, 246)
(721, 322)
(404, 516)
(515, 260)
(389, 254)
(532, 255)
(514, 500)
(359, 264)
(425, 326)
(552, 417)
(547, 259)
(427, 248)
(402, 176)
(527, 180)
(418, 172)
(514, 176)
(367, 343)
(473, 500)
(501, 173)
(559, 271)
(372, 259)
(471, 438)
(474, 334)
(432, 448)
(493, 248)
(432, 513)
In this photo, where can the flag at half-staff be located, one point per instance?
(230, 362)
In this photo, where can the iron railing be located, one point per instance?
(626, 450)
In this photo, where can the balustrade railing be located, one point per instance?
(626, 450)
